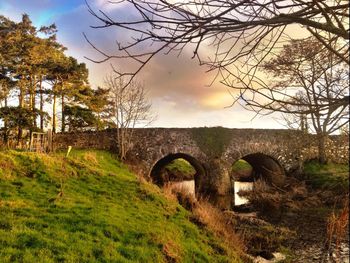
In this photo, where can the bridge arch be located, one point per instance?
(264, 167)
(251, 168)
(156, 172)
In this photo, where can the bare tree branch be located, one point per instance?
(129, 108)
(241, 34)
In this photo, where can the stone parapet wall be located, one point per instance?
(289, 147)
(103, 140)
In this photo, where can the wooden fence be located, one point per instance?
(31, 141)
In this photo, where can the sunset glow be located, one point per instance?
(177, 86)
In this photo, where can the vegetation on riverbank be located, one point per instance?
(241, 170)
(179, 170)
(309, 205)
(329, 176)
(241, 166)
(90, 208)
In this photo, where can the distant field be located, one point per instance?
(241, 165)
(241, 170)
(180, 169)
(90, 208)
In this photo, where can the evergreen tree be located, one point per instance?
(35, 69)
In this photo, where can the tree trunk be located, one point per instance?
(322, 157)
(20, 104)
(33, 103)
(122, 153)
(63, 128)
(41, 104)
(21, 97)
(54, 114)
(303, 123)
(5, 127)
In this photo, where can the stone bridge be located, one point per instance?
(212, 151)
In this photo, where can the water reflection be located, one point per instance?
(240, 200)
(184, 186)
(188, 186)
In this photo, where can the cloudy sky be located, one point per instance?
(178, 87)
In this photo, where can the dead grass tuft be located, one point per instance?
(271, 201)
(183, 196)
(172, 252)
(337, 225)
(90, 157)
(264, 198)
(13, 203)
(169, 192)
(186, 199)
(208, 216)
(6, 164)
(219, 223)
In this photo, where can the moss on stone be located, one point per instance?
(212, 140)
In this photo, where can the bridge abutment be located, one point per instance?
(216, 186)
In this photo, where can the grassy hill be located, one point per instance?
(90, 208)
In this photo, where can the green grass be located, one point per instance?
(182, 168)
(328, 176)
(90, 208)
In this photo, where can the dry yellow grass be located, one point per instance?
(14, 203)
(169, 192)
(219, 223)
(205, 214)
(90, 157)
(337, 225)
(172, 251)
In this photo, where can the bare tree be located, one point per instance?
(240, 34)
(130, 108)
(295, 121)
(306, 79)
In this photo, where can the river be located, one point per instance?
(238, 186)
(188, 186)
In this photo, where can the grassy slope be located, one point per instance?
(90, 208)
(328, 176)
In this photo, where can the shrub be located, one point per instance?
(337, 225)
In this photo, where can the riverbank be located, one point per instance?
(312, 205)
(293, 219)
